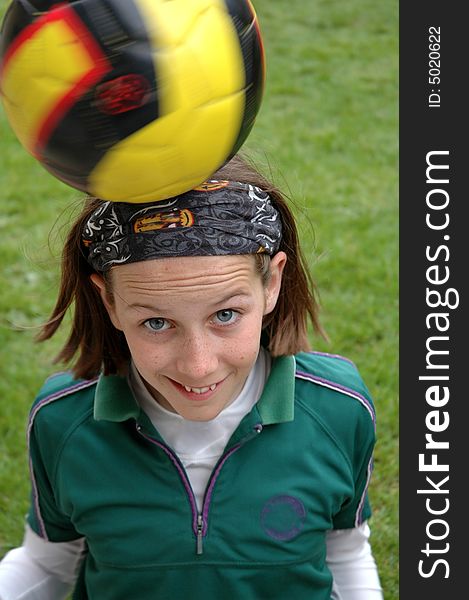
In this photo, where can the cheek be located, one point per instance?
(245, 348)
(143, 351)
(242, 353)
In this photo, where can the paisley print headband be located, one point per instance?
(217, 218)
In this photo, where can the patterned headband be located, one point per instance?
(217, 218)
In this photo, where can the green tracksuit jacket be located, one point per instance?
(297, 466)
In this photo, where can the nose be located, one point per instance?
(197, 358)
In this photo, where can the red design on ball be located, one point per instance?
(122, 94)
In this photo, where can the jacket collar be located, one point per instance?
(277, 400)
(114, 400)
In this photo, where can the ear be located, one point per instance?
(100, 284)
(272, 290)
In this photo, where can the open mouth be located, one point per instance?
(197, 393)
(201, 390)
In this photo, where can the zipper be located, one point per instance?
(202, 520)
(200, 529)
(199, 520)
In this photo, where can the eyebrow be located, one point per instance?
(231, 297)
(224, 300)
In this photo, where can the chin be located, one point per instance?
(201, 415)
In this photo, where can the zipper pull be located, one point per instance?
(200, 526)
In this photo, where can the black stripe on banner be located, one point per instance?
(433, 299)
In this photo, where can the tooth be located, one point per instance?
(200, 390)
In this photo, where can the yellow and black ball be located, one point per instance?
(134, 100)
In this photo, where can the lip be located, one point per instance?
(193, 395)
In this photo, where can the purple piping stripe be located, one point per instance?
(44, 402)
(208, 497)
(182, 475)
(341, 388)
(56, 396)
(358, 517)
(42, 527)
(332, 356)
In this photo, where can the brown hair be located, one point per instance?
(101, 347)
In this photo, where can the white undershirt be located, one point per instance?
(199, 444)
(43, 570)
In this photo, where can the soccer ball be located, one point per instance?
(131, 100)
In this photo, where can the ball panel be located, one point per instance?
(30, 99)
(214, 131)
(122, 102)
(151, 171)
(186, 13)
(37, 95)
(200, 59)
(212, 49)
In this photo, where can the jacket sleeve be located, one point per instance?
(357, 508)
(343, 404)
(45, 517)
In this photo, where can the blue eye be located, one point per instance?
(226, 316)
(157, 324)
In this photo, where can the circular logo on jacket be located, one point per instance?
(283, 517)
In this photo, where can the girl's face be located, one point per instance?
(193, 325)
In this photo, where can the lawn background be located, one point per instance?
(327, 132)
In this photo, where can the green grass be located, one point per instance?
(327, 131)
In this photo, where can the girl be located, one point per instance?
(197, 448)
